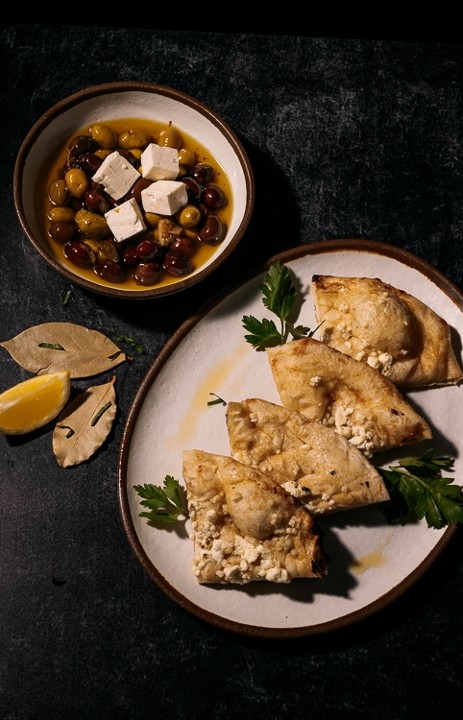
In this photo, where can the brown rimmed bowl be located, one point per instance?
(146, 101)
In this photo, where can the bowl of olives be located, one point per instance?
(133, 190)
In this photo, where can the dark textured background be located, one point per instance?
(348, 138)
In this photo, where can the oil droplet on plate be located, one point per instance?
(212, 383)
(374, 559)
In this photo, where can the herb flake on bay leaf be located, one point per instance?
(91, 416)
(56, 346)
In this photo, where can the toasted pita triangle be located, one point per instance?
(351, 397)
(308, 459)
(245, 527)
(386, 327)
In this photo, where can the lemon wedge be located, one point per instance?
(33, 403)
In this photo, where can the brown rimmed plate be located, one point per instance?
(371, 562)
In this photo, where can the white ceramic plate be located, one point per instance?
(371, 562)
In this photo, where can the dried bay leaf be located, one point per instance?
(84, 424)
(64, 346)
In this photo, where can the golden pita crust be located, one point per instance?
(387, 328)
(309, 460)
(245, 527)
(353, 398)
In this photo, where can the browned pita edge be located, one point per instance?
(387, 328)
(311, 461)
(353, 398)
(245, 527)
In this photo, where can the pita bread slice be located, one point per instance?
(309, 460)
(387, 328)
(353, 398)
(245, 527)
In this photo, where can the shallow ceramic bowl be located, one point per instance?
(145, 101)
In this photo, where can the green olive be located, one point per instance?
(133, 138)
(102, 153)
(152, 219)
(76, 182)
(187, 158)
(189, 216)
(62, 231)
(103, 249)
(61, 214)
(170, 137)
(103, 136)
(58, 192)
(91, 225)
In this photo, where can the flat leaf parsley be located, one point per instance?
(279, 296)
(165, 505)
(418, 490)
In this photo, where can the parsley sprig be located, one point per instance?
(418, 490)
(165, 504)
(279, 295)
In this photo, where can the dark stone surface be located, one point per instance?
(348, 138)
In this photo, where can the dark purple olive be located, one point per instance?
(213, 230)
(183, 245)
(147, 250)
(76, 204)
(213, 196)
(79, 145)
(148, 273)
(193, 188)
(137, 187)
(88, 162)
(202, 172)
(109, 270)
(79, 254)
(62, 231)
(175, 264)
(96, 202)
(130, 257)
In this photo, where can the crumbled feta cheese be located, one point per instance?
(276, 574)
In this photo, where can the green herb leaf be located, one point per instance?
(51, 346)
(279, 295)
(418, 490)
(129, 341)
(70, 430)
(263, 333)
(165, 504)
(278, 291)
(66, 297)
(218, 400)
(100, 412)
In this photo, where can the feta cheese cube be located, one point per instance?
(116, 175)
(159, 163)
(164, 197)
(125, 220)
